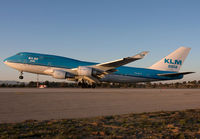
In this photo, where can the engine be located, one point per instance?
(87, 71)
(59, 74)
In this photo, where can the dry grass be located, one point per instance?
(177, 124)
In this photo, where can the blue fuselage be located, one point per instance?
(35, 59)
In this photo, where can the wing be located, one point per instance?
(111, 66)
(100, 70)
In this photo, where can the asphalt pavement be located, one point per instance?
(17, 105)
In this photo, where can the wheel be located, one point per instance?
(89, 86)
(79, 84)
(21, 77)
(93, 85)
(83, 85)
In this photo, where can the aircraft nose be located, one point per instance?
(9, 59)
(5, 60)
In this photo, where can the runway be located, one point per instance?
(17, 105)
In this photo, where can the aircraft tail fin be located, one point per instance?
(172, 62)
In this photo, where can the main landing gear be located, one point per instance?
(85, 84)
(21, 76)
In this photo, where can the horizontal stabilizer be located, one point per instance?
(175, 74)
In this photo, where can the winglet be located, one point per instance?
(140, 55)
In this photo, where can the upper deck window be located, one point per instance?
(19, 54)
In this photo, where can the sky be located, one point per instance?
(99, 31)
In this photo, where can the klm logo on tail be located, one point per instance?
(173, 62)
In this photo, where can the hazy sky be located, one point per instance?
(100, 30)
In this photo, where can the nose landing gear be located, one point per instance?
(21, 76)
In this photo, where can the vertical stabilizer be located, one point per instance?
(172, 62)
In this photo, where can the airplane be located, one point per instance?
(88, 74)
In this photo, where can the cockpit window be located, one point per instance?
(19, 54)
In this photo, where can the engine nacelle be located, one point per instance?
(60, 74)
(84, 71)
(87, 71)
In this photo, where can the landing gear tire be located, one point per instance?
(21, 77)
(79, 84)
(84, 85)
(88, 86)
(93, 85)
